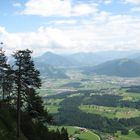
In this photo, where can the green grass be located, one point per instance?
(52, 109)
(52, 105)
(131, 96)
(76, 94)
(88, 136)
(131, 136)
(127, 98)
(44, 92)
(53, 101)
(70, 129)
(111, 112)
(75, 132)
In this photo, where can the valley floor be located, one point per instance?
(110, 106)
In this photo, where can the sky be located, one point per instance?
(70, 26)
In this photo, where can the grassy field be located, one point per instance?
(131, 96)
(76, 132)
(111, 112)
(52, 109)
(132, 136)
(74, 95)
(52, 105)
(54, 101)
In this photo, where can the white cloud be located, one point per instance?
(57, 8)
(64, 22)
(101, 32)
(31, 40)
(83, 9)
(106, 1)
(135, 2)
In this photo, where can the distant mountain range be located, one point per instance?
(92, 59)
(121, 67)
(54, 60)
(117, 63)
(81, 59)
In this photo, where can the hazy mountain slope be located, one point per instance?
(50, 64)
(90, 59)
(81, 59)
(49, 71)
(42, 65)
(137, 59)
(120, 67)
(54, 60)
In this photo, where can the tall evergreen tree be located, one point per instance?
(64, 134)
(27, 80)
(29, 77)
(6, 82)
(3, 68)
(25, 77)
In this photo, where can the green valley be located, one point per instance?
(100, 103)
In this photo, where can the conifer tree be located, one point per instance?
(3, 68)
(26, 77)
(27, 80)
(64, 134)
(6, 82)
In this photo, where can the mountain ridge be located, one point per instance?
(82, 58)
(121, 67)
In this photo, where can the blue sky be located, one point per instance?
(69, 26)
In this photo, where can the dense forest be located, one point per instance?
(22, 113)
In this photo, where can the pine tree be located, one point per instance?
(29, 76)
(8, 83)
(6, 76)
(64, 134)
(27, 80)
(26, 77)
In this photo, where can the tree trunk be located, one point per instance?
(3, 90)
(18, 101)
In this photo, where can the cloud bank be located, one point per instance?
(57, 8)
(102, 33)
(75, 27)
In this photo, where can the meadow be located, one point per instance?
(111, 112)
(131, 136)
(77, 132)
